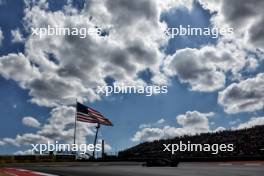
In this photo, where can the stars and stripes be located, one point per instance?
(89, 115)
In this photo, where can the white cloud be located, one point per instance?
(1, 36)
(144, 125)
(245, 96)
(219, 129)
(254, 121)
(204, 69)
(26, 139)
(60, 127)
(26, 152)
(10, 141)
(148, 134)
(161, 121)
(132, 46)
(18, 68)
(246, 17)
(213, 6)
(195, 120)
(31, 122)
(61, 66)
(234, 122)
(2, 143)
(192, 122)
(156, 124)
(167, 4)
(17, 37)
(252, 64)
(14, 106)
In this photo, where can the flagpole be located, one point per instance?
(95, 139)
(75, 123)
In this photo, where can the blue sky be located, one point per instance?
(127, 112)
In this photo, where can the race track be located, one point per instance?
(135, 169)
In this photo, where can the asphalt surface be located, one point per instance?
(136, 169)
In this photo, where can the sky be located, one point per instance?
(213, 83)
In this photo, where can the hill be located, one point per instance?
(248, 145)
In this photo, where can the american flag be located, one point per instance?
(89, 115)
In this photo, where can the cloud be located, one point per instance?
(26, 152)
(168, 4)
(17, 37)
(213, 6)
(148, 134)
(131, 46)
(234, 122)
(245, 17)
(14, 106)
(156, 124)
(1, 36)
(254, 121)
(194, 119)
(229, 54)
(189, 69)
(10, 141)
(245, 96)
(129, 11)
(219, 129)
(252, 64)
(238, 12)
(64, 66)
(204, 69)
(18, 68)
(161, 121)
(26, 140)
(51, 90)
(31, 122)
(2, 143)
(192, 122)
(60, 127)
(122, 54)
